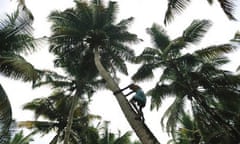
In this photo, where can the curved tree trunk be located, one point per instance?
(141, 130)
(70, 119)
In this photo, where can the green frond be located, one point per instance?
(172, 114)
(236, 37)
(123, 37)
(168, 74)
(228, 7)
(120, 65)
(44, 126)
(196, 31)
(52, 78)
(124, 139)
(174, 7)
(5, 115)
(177, 6)
(158, 94)
(124, 23)
(111, 11)
(220, 61)
(144, 72)
(210, 1)
(119, 50)
(42, 107)
(16, 34)
(159, 36)
(19, 138)
(16, 67)
(149, 55)
(213, 52)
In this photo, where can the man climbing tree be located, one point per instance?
(138, 99)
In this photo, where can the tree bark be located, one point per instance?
(141, 130)
(70, 119)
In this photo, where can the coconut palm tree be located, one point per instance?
(191, 77)
(89, 29)
(55, 110)
(177, 6)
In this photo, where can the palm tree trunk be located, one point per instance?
(141, 130)
(70, 119)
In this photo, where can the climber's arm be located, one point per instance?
(116, 92)
(129, 93)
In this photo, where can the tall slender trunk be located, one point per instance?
(141, 130)
(70, 119)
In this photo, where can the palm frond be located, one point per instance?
(54, 79)
(19, 138)
(111, 11)
(5, 115)
(145, 72)
(228, 8)
(124, 139)
(168, 74)
(124, 23)
(120, 50)
(158, 94)
(159, 36)
(172, 114)
(17, 67)
(177, 6)
(236, 37)
(120, 65)
(149, 55)
(16, 34)
(38, 125)
(174, 7)
(213, 52)
(43, 107)
(196, 31)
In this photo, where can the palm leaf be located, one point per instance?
(145, 72)
(228, 8)
(174, 7)
(213, 52)
(111, 11)
(19, 138)
(17, 67)
(149, 55)
(196, 31)
(172, 114)
(16, 34)
(159, 36)
(5, 115)
(44, 126)
(158, 94)
(124, 139)
(177, 6)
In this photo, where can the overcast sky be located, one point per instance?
(145, 12)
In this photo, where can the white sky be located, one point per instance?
(145, 13)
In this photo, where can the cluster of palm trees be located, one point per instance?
(91, 48)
